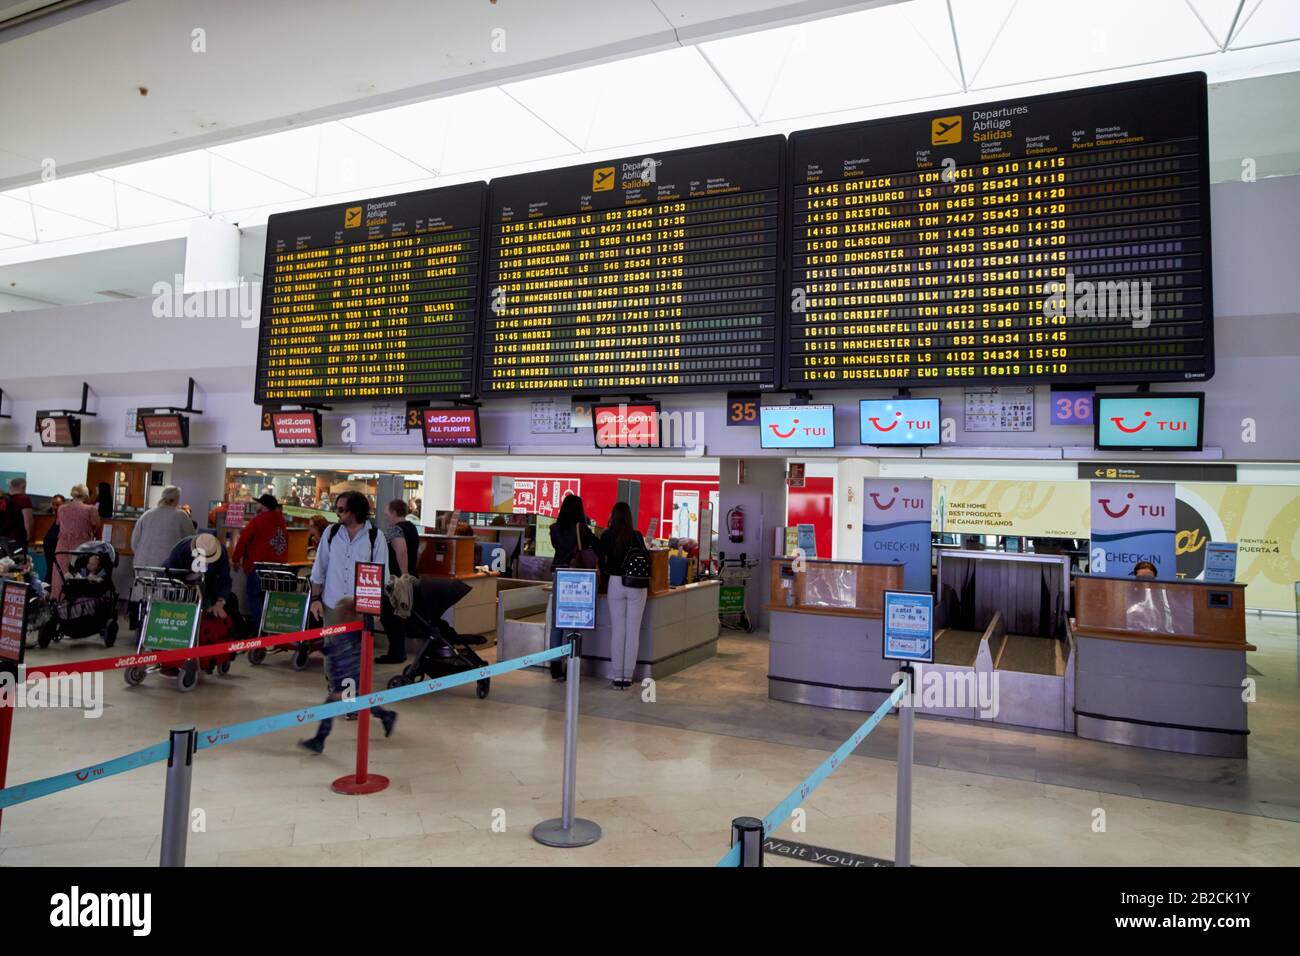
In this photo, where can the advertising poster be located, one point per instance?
(368, 588)
(896, 527)
(1132, 522)
(13, 621)
(542, 496)
(575, 599)
(170, 626)
(807, 540)
(1262, 520)
(1036, 509)
(909, 627)
(284, 612)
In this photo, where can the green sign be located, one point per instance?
(284, 612)
(731, 599)
(171, 625)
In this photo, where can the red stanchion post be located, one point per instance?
(6, 728)
(363, 781)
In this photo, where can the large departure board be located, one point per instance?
(1053, 238)
(373, 299)
(659, 272)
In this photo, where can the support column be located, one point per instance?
(762, 497)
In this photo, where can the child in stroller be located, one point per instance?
(16, 564)
(445, 651)
(87, 604)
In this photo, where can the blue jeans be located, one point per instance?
(255, 597)
(343, 664)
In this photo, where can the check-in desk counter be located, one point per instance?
(679, 628)
(826, 649)
(452, 556)
(1162, 664)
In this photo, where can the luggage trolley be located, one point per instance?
(286, 598)
(173, 608)
(734, 574)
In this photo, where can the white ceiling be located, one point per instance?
(586, 96)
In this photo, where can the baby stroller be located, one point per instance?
(16, 565)
(445, 651)
(88, 602)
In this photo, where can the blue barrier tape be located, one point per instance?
(265, 725)
(783, 809)
(23, 792)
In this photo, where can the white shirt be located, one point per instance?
(336, 561)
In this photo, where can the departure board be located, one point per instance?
(657, 272)
(373, 299)
(1052, 238)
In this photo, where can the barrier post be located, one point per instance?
(6, 728)
(363, 781)
(903, 807)
(176, 799)
(748, 832)
(568, 830)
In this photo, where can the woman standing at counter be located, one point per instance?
(575, 547)
(104, 500)
(79, 522)
(624, 558)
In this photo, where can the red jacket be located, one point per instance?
(262, 539)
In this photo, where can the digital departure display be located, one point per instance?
(1051, 238)
(659, 271)
(373, 299)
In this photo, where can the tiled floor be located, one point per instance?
(663, 778)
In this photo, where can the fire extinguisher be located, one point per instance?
(736, 525)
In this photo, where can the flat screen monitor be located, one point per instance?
(166, 431)
(899, 421)
(59, 431)
(451, 428)
(1147, 422)
(797, 426)
(627, 425)
(296, 429)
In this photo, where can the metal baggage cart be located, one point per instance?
(172, 612)
(285, 603)
(735, 574)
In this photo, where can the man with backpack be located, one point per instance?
(351, 541)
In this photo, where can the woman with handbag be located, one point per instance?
(624, 558)
(575, 547)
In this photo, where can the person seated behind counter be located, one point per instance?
(1145, 569)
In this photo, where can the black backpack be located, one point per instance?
(336, 528)
(636, 568)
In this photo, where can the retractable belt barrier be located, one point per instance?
(782, 811)
(24, 792)
(150, 658)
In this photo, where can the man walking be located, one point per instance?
(351, 541)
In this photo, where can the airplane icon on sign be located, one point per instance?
(945, 130)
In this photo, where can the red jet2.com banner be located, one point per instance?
(626, 426)
(295, 428)
(369, 588)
